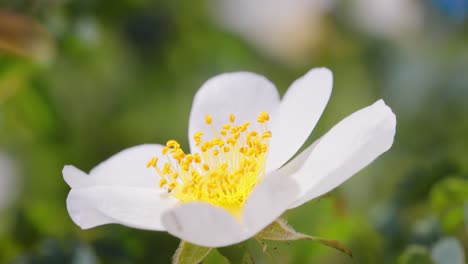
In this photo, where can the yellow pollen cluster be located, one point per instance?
(224, 171)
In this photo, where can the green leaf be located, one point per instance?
(465, 213)
(190, 254)
(257, 253)
(251, 251)
(449, 193)
(280, 231)
(448, 198)
(235, 253)
(214, 257)
(415, 255)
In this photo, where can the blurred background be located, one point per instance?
(83, 79)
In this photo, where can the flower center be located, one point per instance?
(224, 171)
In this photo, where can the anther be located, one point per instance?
(208, 119)
(204, 147)
(252, 134)
(231, 141)
(244, 127)
(266, 134)
(152, 162)
(172, 186)
(162, 182)
(172, 143)
(167, 168)
(198, 134)
(232, 118)
(165, 150)
(263, 117)
(196, 158)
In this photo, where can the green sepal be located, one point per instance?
(235, 254)
(188, 253)
(280, 231)
(248, 252)
(257, 253)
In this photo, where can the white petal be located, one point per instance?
(268, 201)
(211, 226)
(241, 93)
(126, 168)
(347, 148)
(204, 225)
(299, 112)
(295, 164)
(76, 178)
(135, 207)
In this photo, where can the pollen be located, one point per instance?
(224, 170)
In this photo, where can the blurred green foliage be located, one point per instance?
(123, 73)
(415, 255)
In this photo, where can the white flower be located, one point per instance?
(234, 183)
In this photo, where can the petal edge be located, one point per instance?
(347, 148)
(135, 207)
(298, 113)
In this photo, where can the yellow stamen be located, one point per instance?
(165, 150)
(266, 135)
(225, 169)
(172, 143)
(172, 186)
(232, 118)
(152, 162)
(196, 158)
(208, 119)
(162, 182)
(263, 117)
